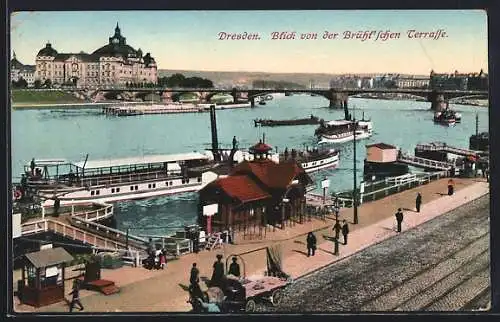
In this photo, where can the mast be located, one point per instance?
(354, 194)
(84, 164)
(477, 124)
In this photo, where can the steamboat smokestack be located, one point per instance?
(215, 140)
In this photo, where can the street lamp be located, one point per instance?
(337, 226)
(354, 194)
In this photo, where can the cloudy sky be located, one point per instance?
(190, 40)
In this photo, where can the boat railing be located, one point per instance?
(128, 177)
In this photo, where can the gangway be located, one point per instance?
(438, 146)
(76, 233)
(425, 163)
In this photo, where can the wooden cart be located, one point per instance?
(269, 288)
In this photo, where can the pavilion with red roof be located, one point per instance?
(256, 194)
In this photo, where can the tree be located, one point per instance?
(47, 83)
(37, 83)
(20, 83)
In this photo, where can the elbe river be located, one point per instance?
(71, 134)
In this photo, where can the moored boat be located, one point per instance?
(340, 131)
(305, 121)
(446, 117)
(114, 180)
(313, 160)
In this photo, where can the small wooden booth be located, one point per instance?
(43, 277)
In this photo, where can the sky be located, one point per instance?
(190, 40)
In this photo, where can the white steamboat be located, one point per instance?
(117, 179)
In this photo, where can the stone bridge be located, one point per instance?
(337, 97)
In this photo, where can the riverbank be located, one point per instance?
(66, 105)
(375, 224)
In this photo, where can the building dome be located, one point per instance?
(117, 46)
(110, 50)
(47, 51)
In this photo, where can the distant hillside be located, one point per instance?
(246, 78)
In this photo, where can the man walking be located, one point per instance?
(450, 187)
(399, 219)
(311, 244)
(76, 296)
(194, 280)
(345, 230)
(418, 202)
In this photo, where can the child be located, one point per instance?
(163, 259)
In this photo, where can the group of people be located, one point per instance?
(157, 258)
(399, 214)
(338, 228)
(218, 280)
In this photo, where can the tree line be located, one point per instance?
(259, 83)
(179, 80)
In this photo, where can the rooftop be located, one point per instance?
(49, 257)
(242, 188)
(383, 146)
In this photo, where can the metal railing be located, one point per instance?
(401, 186)
(401, 179)
(445, 148)
(177, 246)
(94, 215)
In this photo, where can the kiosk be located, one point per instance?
(43, 277)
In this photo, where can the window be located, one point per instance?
(97, 192)
(113, 190)
(117, 189)
(171, 182)
(199, 179)
(92, 192)
(131, 188)
(136, 187)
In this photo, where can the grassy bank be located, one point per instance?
(26, 97)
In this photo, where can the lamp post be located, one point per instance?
(337, 210)
(126, 238)
(354, 194)
(325, 184)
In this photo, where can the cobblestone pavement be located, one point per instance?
(441, 265)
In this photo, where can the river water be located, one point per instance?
(71, 134)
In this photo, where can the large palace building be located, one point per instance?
(113, 64)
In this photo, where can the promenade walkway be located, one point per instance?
(165, 290)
